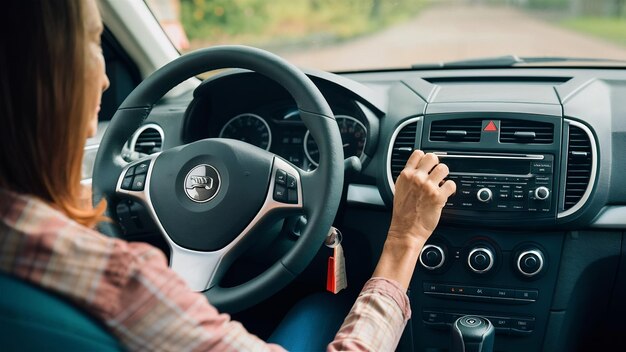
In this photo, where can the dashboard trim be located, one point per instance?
(392, 141)
(611, 217)
(594, 167)
(359, 194)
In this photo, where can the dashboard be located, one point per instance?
(533, 238)
(269, 119)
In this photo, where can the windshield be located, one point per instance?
(350, 35)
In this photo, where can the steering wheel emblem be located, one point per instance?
(202, 183)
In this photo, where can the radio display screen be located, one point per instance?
(487, 166)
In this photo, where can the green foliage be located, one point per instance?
(613, 29)
(267, 21)
(549, 4)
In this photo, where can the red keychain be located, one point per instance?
(336, 279)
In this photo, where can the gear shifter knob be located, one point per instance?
(472, 333)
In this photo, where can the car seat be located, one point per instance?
(32, 319)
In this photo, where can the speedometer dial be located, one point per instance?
(353, 137)
(249, 128)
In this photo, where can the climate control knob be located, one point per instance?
(432, 257)
(484, 195)
(530, 262)
(480, 259)
(542, 193)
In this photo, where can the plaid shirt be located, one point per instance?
(130, 288)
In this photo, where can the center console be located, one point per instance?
(507, 277)
(515, 172)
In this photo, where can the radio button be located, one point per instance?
(518, 195)
(484, 195)
(504, 194)
(542, 193)
(466, 192)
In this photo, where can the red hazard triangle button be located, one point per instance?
(491, 127)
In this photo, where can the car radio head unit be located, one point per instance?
(500, 182)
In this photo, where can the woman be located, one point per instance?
(52, 78)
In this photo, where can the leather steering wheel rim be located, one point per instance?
(327, 180)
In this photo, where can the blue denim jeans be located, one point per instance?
(313, 322)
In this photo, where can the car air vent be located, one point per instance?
(579, 166)
(459, 130)
(524, 131)
(402, 147)
(149, 140)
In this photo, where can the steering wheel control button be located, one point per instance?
(292, 196)
(542, 193)
(530, 262)
(480, 260)
(484, 195)
(292, 183)
(281, 177)
(432, 257)
(127, 182)
(130, 171)
(280, 193)
(202, 183)
(142, 168)
(138, 182)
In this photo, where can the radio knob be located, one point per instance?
(432, 257)
(480, 260)
(542, 193)
(484, 195)
(530, 262)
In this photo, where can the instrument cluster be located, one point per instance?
(281, 131)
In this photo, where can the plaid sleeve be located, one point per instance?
(127, 286)
(376, 320)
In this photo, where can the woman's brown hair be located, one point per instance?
(44, 117)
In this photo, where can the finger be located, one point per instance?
(448, 188)
(439, 173)
(414, 159)
(428, 162)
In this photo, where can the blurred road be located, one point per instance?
(444, 32)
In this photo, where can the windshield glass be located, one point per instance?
(349, 35)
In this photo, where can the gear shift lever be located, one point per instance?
(472, 333)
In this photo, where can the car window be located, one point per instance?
(376, 34)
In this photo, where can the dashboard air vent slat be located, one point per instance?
(402, 148)
(579, 164)
(523, 131)
(149, 141)
(459, 130)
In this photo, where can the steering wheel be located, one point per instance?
(208, 196)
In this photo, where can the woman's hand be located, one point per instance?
(420, 196)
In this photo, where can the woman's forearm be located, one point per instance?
(398, 259)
